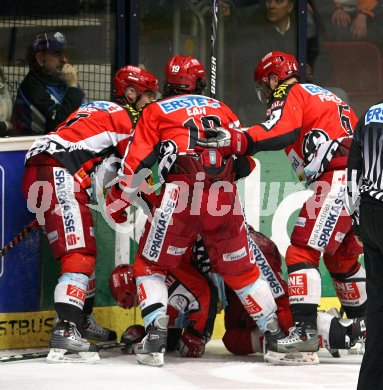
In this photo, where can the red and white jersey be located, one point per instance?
(171, 126)
(302, 119)
(91, 135)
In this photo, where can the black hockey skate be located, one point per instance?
(152, 348)
(91, 330)
(358, 336)
(334, 351)
(66, 339)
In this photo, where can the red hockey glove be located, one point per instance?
(191, 345)
(227, 141)
(133, 335)
(116, 203)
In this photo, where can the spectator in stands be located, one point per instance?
(353, 20)
(50, 91)
(271, 27)
(5, 106)
(276, 24)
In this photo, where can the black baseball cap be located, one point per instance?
(52, 41)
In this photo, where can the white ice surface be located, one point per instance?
(218, 369)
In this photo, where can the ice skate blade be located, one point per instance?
(57, 355)
(292, 359)
(155, 359)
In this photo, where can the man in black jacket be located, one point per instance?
(50, 91)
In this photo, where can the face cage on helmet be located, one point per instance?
(263, 92)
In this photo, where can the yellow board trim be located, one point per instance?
(33, 329)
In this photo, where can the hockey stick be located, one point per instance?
(43, 354)
(24, 356)
(19, 237)
(213, 59)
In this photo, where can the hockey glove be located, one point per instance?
(191, 345)
(116, 203)
(133, 335)
(227, 141)
(201, 256)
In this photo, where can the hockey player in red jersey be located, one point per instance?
(193, 301)
(314, 126)
(198, 196)
(192, 305)
(63, 172)
(242, 337)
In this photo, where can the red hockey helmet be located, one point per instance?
(284, 65)
(183, 72)
(136, 77)
(122, 286)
